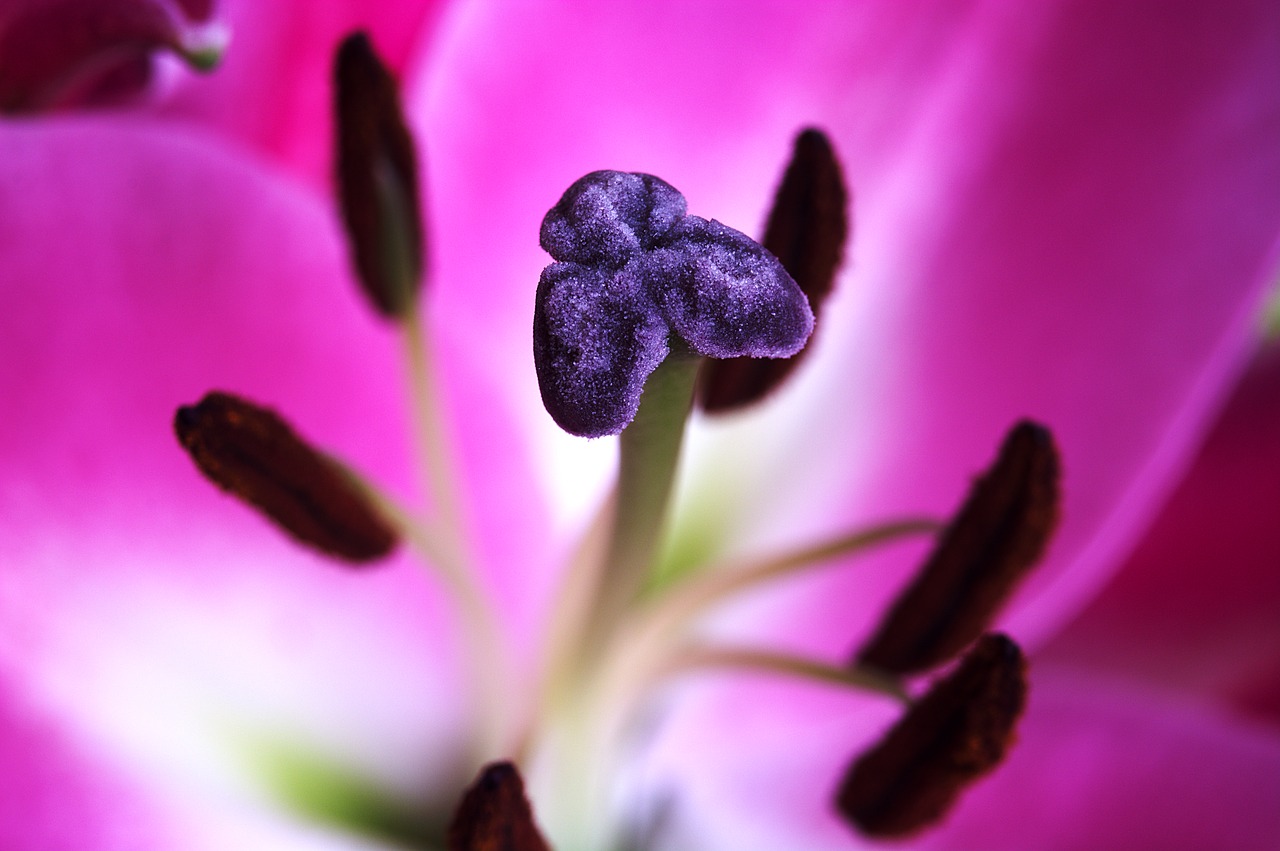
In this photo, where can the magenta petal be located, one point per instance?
(56, 797)
(1089, 253)
(140, 268)
(1195, 607)
(58, 793)
(1115, 769)
(64, 53)
(1106, 285)
(1092, 769)
(273, 90)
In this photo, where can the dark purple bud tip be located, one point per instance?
(633, 271)
(495, 815)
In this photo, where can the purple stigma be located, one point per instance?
(633, 270)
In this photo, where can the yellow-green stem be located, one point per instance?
(583, 720)
(649, 453)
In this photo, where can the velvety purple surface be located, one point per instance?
(633, 270)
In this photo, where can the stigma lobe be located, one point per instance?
(252, 453)
(635, 278)
(807, 231)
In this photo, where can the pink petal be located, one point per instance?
(64, 53)
(170, 625)
(55, 797)
(1115, 769)
(198, 10)
(273, 92)
(1065, 214)
(58, 794)
(1194, 608)
(1093, 769)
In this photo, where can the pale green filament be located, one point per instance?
(710, 657)
(653, 635)
(487, 663)
(436, 460)
(652, 641)
(685, 601)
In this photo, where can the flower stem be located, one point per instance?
(649, 455)
(605, 581)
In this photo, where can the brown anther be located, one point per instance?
(252, 453)
(951, 737)
(807, 230)
(999, 534)
(495, 814)
(377, 172)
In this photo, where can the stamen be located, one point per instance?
(998, 535)
(955, 734)
(768, 661)
(807, 231)
(635, 275)
(380, 203)
(720, 582)
(254, 454)
(436, 457)
(650, 643)
(377, 179)
(495, 815)
(381, 206)
(654, 633)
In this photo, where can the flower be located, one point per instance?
(1068, 213)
